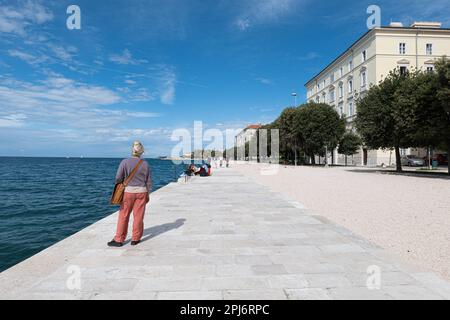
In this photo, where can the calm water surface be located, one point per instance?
(45, 200)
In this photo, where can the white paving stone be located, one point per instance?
(307, 294)
(241, 242)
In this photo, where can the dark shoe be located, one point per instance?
(114, 243)
(135, 243)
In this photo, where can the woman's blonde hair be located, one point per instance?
(137, 149)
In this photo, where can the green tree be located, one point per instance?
(443, 103)
(318, 126)
(289, 142)
(349, 144)
(417, 98)
(384, 119)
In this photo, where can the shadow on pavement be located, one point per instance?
(418, 174)
(155, 231)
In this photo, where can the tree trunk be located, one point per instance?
(313, 160)
(345, 160)
(295, 157)
(448, 158)
(398, 159)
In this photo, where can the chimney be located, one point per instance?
(425, 24)
(396, 25)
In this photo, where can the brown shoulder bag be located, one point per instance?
(119, 189)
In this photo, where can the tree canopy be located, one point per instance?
(384, 117)
(318, 126)
(349, 144)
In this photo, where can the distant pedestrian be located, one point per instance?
(135, 198)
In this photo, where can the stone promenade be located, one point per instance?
(222, 237)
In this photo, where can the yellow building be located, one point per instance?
(366, 63)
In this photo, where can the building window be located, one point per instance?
(403, 70)
(363, 56)
(332, 78)
(402, 48)
(350, 86)
(341, 109)
(350, 65)
(429, 48)
(341, 91)
(332, 96)
(350, 109)
(430, 69)
(363, 79)
(341, 72)
(317, 99)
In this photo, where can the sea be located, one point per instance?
(44, 200)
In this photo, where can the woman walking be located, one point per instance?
(135, 198)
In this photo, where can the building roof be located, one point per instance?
(366, 34)
(249, 127)
(253, 126)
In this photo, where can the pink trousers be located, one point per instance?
(135, 202)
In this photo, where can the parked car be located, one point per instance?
(441, 158)
(412, 161)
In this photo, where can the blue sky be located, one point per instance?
(138, 69)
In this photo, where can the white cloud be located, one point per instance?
(17, 19)
(168, 80)
(64, 103)
(408, 11)
(125, 58)
(124, 135)
(28, 58)
(130, 82)
(309, 56)
(257, 12)
(243, 24)
(141, 95)
(12, 121)
(62, 53)
(142, 114)
(264, 81)
(52, 54)
(59, 100)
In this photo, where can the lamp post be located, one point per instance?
(294, 95)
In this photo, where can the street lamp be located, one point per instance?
(294, 95)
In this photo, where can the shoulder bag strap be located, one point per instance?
(130, 177)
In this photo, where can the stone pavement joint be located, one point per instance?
(221, 237)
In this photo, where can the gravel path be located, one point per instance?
(409, 216)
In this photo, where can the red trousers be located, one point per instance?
(135, 202)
